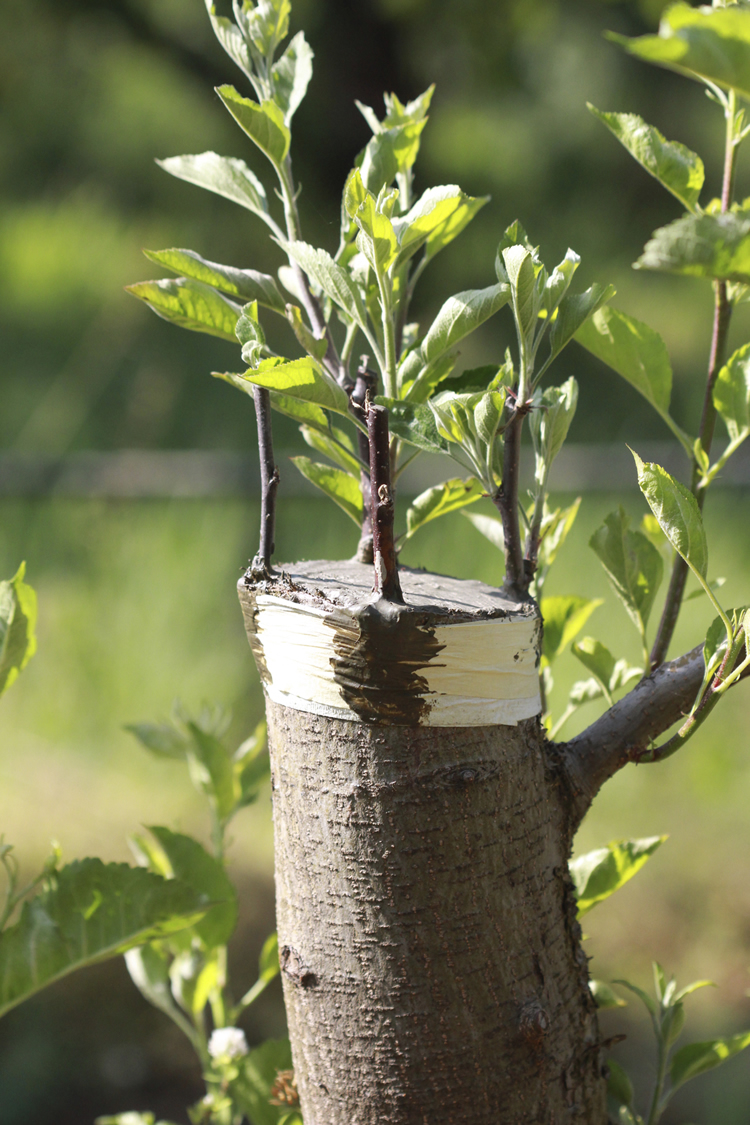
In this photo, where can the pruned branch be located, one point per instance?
(626, 730)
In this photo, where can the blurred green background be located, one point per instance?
(137, 602)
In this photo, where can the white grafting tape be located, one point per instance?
(481, 673)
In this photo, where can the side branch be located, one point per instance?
(625, 731)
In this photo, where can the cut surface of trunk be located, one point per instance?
(430, 953)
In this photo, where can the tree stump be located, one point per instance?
(430, 954)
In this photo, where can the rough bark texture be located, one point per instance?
(431, 958)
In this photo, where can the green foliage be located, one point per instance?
(678, 514)
(339, 485)
(300, 378)
(712, 45)
(638, 354)
(190, 304)
(264, 123)
(450, 496)
(251, 1089)
(86, 912)
(245, 285)
(564, 617)
(676, 168)
(224, 175)
(634, 566)
(711, 246)
(600, 873)
(18, 611)
(673, 1068)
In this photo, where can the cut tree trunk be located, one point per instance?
(430, 953)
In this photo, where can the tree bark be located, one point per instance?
(430, 953)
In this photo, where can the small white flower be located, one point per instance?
(227, 1043)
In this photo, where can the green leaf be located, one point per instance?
(250, 334)
(246, 285)
(376, 238)
(633, 350)
(88, 912)
(257, 1074)
(291, 75)
(549, 424)
(18, 612)
(341, 487)
(675, 167)
(489, 527)
(519, 270)
(306, 413)
(335, 445)
(678, 513)
(619, 1086)
(634, 566)
(301, 378)
(600, 873)
(564, 617)
(701, 43)
(605, 997)
(554, 531)
(672, 1023)
(211, 771)
(162, 739)
(438, 216)
(598, 660)
(438, 501)
(414, 423)
(263, 122)
(231, 39)
(190, 304)
(573, 312)
(148, 966)
(693, 987)
(585, 691)
(460, 315)
(732, 394)
(251, 764)
(715, 644)
(265, 24)
(428, 377)
(559, 280)
(329, 276)
(644, 997)
(390, 152)
(316, 346)
(697, 1058)
(268, 963)
(191, 864)
(225, 175)
(712, 246)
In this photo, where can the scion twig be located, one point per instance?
(364, 388)
(382, 506)
(506, 501)
(269, 482)
(722, 318)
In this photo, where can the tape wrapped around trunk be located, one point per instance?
(413, 665)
